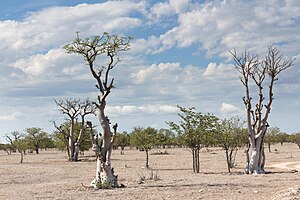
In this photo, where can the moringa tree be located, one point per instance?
(86, 108)
(75, 108)
(90, 48)
(61, 137)
(255, 73)
(71, 108)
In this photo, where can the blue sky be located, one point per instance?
(179, 56)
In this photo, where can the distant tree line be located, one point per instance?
(195, 131)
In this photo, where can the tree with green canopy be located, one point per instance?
(74, 109)
(122, 140)
(230, 137)
(196, 131)
(17, 141)
(272, 136)
(36, 138)
(61, 137)
(144, 139)
(295, 138)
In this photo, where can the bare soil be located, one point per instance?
(49, 175)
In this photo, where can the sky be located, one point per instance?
(179, 56)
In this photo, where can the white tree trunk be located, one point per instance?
(104, 173)
(256, 163)
(76, 151)
(71, 141)
(77, 143)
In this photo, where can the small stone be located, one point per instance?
(294, 192)
(201, 190)
(255, 191)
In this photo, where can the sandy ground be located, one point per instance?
(49, 176)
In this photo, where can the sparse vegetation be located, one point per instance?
(195, 131)
(144, 140)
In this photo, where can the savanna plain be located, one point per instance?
(49, 175)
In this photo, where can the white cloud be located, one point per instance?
(47, 28)
(167, 8)
(156, 73)
(11, 117)
(219, 26)
(148, 82)
(221, 71)
(156, 109)
(40, 63)
(229, 108)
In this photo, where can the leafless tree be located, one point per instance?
(71, 108)
(86, 108)
(256, 73)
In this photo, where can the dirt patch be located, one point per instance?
(49, 176)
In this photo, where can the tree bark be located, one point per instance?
(147, 158)
(104, 172)
(257, 158)
(77, 143)
(37, 150)
(196, 159)
(71, 141)
(228, 160)
(269, 147)
(22, 156)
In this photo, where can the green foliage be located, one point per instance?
(144, 139)
(108, 45)
(8, 148)
(195, 130)
(283, 137)
(122, 140)
(272, 136)
(165, 137)
(21, 144)
(36, 139)
(295, 138)
(102, 44)
(17, 142)
(61, 140)
(230, 136)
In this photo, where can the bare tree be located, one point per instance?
(17, 142)
(63, 136)
(86, 108)
(90, 49)
(257, 72)
(71, 108)
(75, 108)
